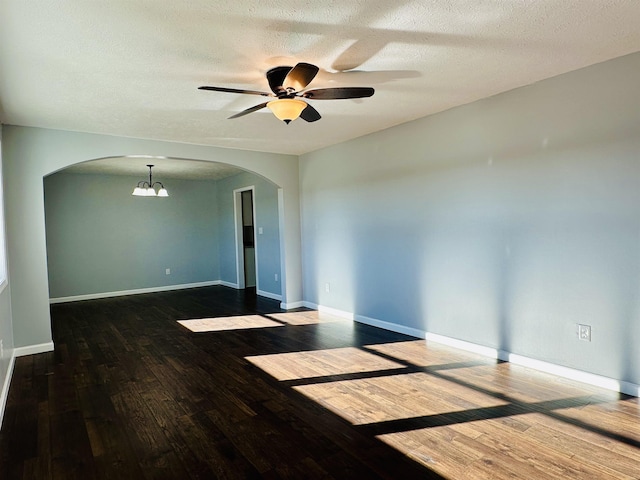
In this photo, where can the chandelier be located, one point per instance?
(147, 189)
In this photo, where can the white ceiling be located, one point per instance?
(132, 68)
(163, 168)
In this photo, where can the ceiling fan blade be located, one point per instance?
(338, 93)
(276, 77)
(310, 114)
(236, 90)
(300, 76)
(249, 110)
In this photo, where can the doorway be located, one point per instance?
(247, 265)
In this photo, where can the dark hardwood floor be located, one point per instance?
(215, 383)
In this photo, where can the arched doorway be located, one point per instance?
(102, 241)
(31, 154)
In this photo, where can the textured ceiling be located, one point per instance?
(132, 68)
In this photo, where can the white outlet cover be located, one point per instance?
(584, 332)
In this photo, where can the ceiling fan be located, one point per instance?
(287, 86)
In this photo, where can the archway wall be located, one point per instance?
(29, 154)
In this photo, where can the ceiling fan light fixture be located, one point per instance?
(287, 109)
(286, 84)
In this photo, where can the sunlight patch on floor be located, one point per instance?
(489, 375)
(321, 363)
(396, 397)
(442, 451)
(305, 318)
(529, 445)
(228, 323)
(417, 353)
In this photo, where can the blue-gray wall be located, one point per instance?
(102, 239)
(267, 243)
(503, 223)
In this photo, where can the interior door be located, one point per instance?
(248, 239)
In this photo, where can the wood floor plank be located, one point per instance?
(71, 456)
(148, 441)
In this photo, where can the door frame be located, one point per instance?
(237, 213)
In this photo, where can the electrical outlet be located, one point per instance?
(276, 276)
(167, 271)
(584, 332)
(327, 287)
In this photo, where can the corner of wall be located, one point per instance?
(4, 394)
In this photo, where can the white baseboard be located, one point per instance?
(166, 288)
(292, 305)
(5, 388)
(393, 327)
(629, 388)
(558, 370)
(467, 346)
(19, 352)
(336, 312)
(121, 293)
(33, 349)
(329, 310)
(312, 306)
(272, 296)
